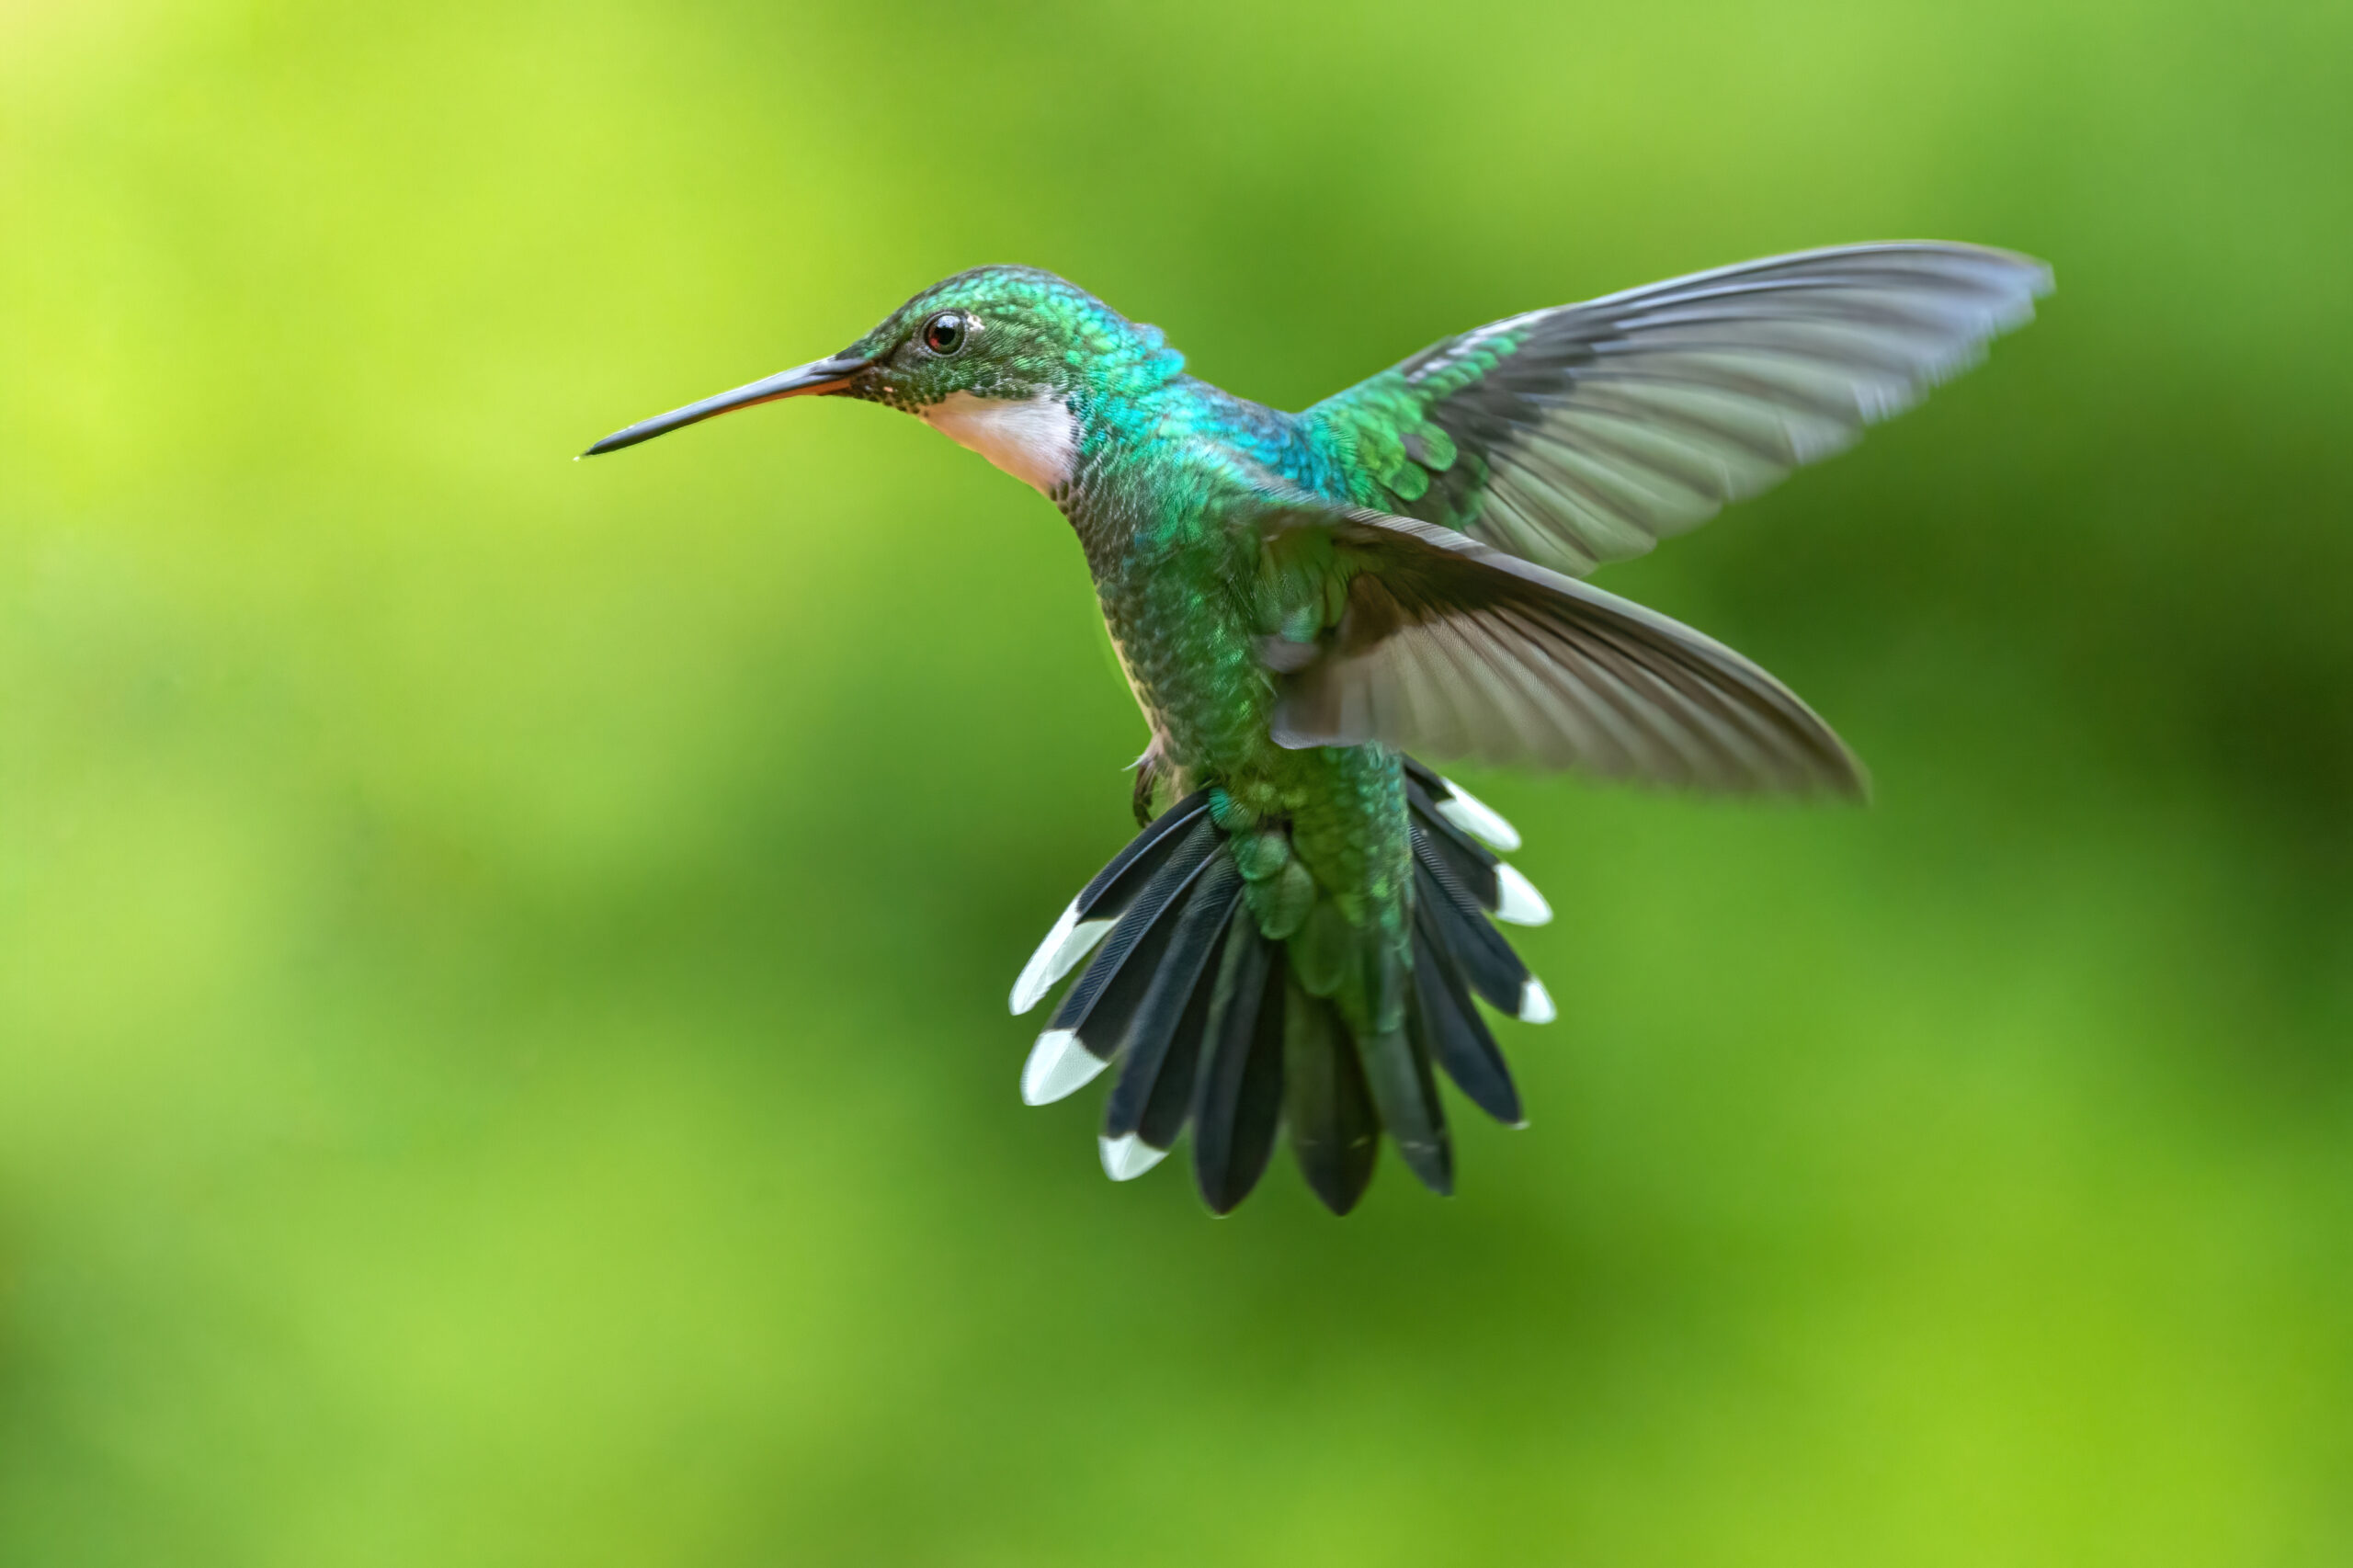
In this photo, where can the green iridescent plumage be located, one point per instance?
(1299, 600)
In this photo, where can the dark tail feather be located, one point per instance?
(1114, 890)
(1164, 1034)
(1421, 772)
(1471, 862)
(1109, 990)
(1452, 803)
(1116, 885)
(1170, 1106)
(1093, 1013)
(1237, 1091)
(1486, 959)
(1334, 1130)
(1398, 1069)
(1454, 1032)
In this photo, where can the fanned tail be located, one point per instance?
(1212, 1030)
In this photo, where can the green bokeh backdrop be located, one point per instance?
(502, 1047)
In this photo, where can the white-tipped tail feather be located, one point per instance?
(1124, 1159)
(1535, 1006)
(1477, 818)
(1517, 899)
(1070, 940)
(1058, 1065)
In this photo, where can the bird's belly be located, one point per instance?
(1162, 746)
(1194, 675)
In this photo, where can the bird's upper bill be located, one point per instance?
(830, 374)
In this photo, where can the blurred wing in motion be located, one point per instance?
(1583, 434)
(1412, 635)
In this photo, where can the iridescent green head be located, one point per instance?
(976, 350)
(1005, 333)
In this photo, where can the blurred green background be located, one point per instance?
(503, 1057)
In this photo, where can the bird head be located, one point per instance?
(966, 355)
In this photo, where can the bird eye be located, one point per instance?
(944, 334)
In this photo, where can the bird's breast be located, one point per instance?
(1034, 440)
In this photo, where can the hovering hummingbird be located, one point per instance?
(1298, 600)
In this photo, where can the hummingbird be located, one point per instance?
(1307, 604)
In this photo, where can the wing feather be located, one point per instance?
(1585, 434)
(1447, 647)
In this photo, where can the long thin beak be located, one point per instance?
(817, 376)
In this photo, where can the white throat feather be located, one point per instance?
(1034, 440)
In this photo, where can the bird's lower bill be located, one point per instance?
(816, 378)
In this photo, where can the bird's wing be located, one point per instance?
(1585, 434)
(1388, 629)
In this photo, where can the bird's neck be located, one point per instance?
(1142, 461)
(1043, 437)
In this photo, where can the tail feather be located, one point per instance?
(1237, 1093)
(1398, 1069)
(1169, 1107)
(1454, 845)
(1335, 1128)
(1494, 970)
(1158, 1021)
(1114, 888)
(1459, 806)
(1212, 1029)
(1142, 919)
(1120, 1002)
(1457, 1036)
(1118, 883)
(1471, 862)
